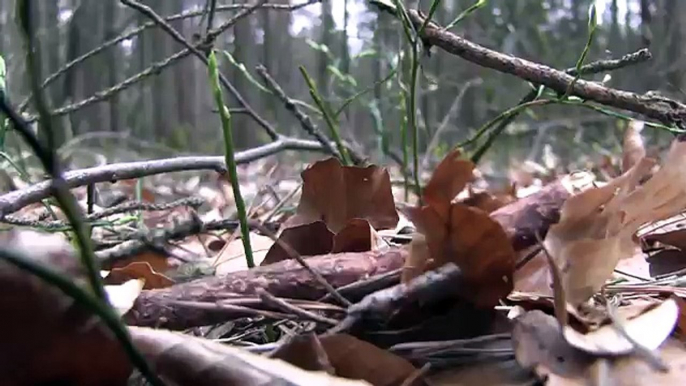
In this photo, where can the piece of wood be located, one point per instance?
(287, 279)
(522, 220)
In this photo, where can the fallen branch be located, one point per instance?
(285, 279)
(13, 201)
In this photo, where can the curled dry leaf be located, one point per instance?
(310, 239)
(358, 235)
(334, 194)
(315, 238)
(447, 180)
(671, 231)
(356, 359)
(649, 329)
(306, 352)
(346, 356)
(46, 337)
(139, 270)
(489, 202)
(464, 235)
(187, 360)
(593, 234)
(475, 242)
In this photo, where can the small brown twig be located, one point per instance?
(272, 300)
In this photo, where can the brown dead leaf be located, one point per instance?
(484, 373)
(334, 194)
(594, 233)
(187, 360)
(306, 352)
(139, 270)
(357, 236)
(447, 180)
(475, 242)
(488, 202)
(356, 359)
(310, 239)
(649, 329)
(47, 338)
(633, 149)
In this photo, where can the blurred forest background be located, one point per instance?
(347, 46)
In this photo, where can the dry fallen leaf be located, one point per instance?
(447, 180)
(649, 329)
(306, 352)
(139, 270)
(461, 234)
(593, 234)
(417, 258)
(358, 235)
(356, 359)
(334, 194)
(310, 239)
(187, 360)
(475, 242)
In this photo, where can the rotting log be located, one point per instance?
(522, 220)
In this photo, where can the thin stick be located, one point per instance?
(272, 300)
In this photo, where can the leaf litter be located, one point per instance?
(467, 244)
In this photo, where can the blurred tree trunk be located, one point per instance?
(164, 95)
(142, 112)
(114, 55)
(271, 110)
(672, 45)
(244, 128)
(185, 77)
(326, 40)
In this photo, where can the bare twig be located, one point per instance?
(195, 50)
(272, 300)
(664, 110)
(16, 200)
(192, 202)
